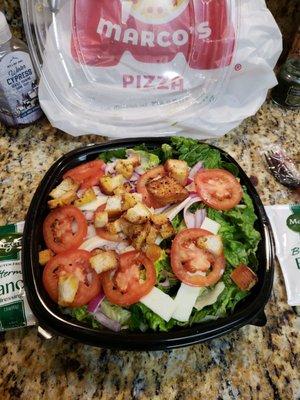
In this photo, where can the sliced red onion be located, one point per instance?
(200, 216)
(161, 210)
(165, 284)
(107, 322)
(91, 231)
(97, 190)
(140, 170)
(190, 218)
(80, 193)
(191, 188)
(89, 215)
(189, 181)
(174, 210)
(195, 169)
(135, 177)
(95, 242)
(94, 304)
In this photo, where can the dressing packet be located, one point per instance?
(14, 308)
(285, 221)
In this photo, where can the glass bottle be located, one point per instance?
(19, 105)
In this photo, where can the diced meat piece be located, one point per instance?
(109, 183)
(67, 186)
(244, 277)
(167, 190)
(114, 206)
(125, 168)
(45, 256)
(104, 261)
(88, 197)
(101, 219)
(139, 214)
(179, 170)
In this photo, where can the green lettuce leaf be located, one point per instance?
(108, 155)
(143, 318)
(148, 159)
(120, 314)
(82, 315)
(164, 272)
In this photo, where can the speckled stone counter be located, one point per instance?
(252, 363)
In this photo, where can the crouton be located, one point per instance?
(178, 170)
(166, 230)
(65, 200)
(45, 256)
(129, 201)
(139, 240)
(101, 219)
(152, 235)
(104, 261)
(153, 252)
(66, 186)
(125, 188)
(114, 206)
(125, 168)
(139, 214)
(114, 227)
(109, 183)
(159, 219)
(167, 190)
(88, 197)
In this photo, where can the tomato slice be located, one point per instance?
(75, 262)
(218, 188)
(125, 286)
(88, 174)
(142, 182)
(192, 265)
(58, 229)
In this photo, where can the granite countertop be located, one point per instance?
(252, 363)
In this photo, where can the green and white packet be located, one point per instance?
(285, 221)
(14, 308)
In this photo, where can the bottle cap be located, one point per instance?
(5, 33)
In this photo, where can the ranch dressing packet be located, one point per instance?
(14, 308)
(285, 221)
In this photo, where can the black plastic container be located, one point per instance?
(52, 321)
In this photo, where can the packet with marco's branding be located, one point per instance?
(285, 221)
(14, 308)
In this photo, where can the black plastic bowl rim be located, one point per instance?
(49, 318)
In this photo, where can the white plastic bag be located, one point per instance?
(69, 96)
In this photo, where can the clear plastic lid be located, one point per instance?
(132, 62)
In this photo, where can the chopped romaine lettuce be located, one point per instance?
(82, 315)
(108, 155)
(165, 276)
(148, 160)
(120, 314)
(143, 318)
(178, 222)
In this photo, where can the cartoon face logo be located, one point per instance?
(157, 11)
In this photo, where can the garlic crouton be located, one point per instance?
(167, 190)
(104, 261)
(101, 219)
(88, 197)
(45, 256)
(109, 183)
(166, 230)
(125, 188)
(125, 168)
(67, 186)
(65, 200)
(153, 252)
(114, 206)
(129, 201)
(139, 214)
(152, 235)
(178, 170)
(159, 219)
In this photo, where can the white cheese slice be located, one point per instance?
(67, 289)
(93, 205)
(97, 242)
(160, 303)
(210, 296)
(185, 301)
(210, 225)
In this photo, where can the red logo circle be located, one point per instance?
(238, 67)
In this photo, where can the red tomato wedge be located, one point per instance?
(58, 229)
(72, 262)
(244, 277)
(87, 174)
(192, 265)
(218, 188)
(134, 278)
(146, 178)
